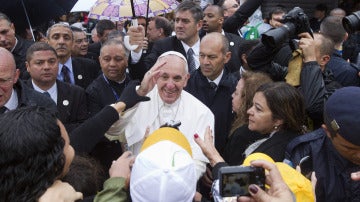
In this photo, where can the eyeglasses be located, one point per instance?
(233, 6)
(6, 82)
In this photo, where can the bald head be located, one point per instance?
(8, 75)
(7, 60)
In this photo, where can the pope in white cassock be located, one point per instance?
(164, 84)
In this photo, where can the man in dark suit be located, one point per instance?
(106, 89)
(13, 92)
(79, 71)
(42, 65)
(16, 45)
(188, 22)
(212, 22)
(213, 85)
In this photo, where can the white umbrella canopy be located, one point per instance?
(83, 6)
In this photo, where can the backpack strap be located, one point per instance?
(306, 138)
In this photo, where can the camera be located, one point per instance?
(235, 180)
(294, 23)
(351, 22)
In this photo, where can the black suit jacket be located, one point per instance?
(100, 93)
(219, 101)
(241, 15)
(85, 71)
(30, 97)
(94, 48)
(71, 104)
(138, 70)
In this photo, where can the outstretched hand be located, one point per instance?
(208, 148)
(130, 96)
(60, 192)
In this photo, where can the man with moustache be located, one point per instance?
(78, 71)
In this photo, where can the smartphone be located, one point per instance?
(235, 180)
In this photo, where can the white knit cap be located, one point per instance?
(164, 170)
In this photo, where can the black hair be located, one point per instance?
(38, 46)
(103, 25)
(31, 153)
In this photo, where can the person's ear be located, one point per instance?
(278, 122)
(227, 57)
(187, 76)
(324, 60)
(346, 36)
(17, 74)
(199, 25)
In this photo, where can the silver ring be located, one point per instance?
(113, 161)
(149, 72)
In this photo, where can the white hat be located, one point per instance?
(164, 170)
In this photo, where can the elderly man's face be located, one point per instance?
(61, 39)
(7, 35)
(113, 62)
(173, 79)
(8, 75)
(80, 45)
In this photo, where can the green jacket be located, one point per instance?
(113, 191)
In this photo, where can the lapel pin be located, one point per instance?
(231, 43)
(65, 102)
(80, 77)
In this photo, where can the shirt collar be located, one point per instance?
(195, 47)
(13, 102)
(218, 79)
(16, 41)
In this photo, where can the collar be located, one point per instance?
(218, 79)
(195, 47)
(13, 102)
(51, 90)
(68, 63)
(16, 42)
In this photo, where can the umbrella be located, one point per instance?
(83, 5)
(117, 10)
(27, 13)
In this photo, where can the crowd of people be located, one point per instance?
(153, 112)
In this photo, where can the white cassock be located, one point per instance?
(193, 115)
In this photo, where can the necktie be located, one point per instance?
(213, 85)
(190, 59)
(66, 74)
(47, 94)
(2, 109)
